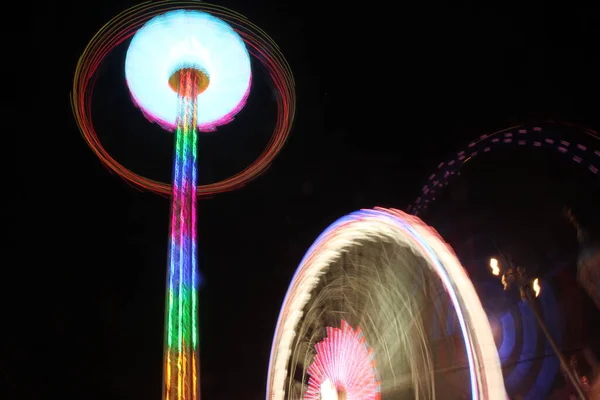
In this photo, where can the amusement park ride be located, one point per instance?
(189, 69)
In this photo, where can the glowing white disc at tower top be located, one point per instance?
(188, 39)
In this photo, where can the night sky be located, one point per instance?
(383, 96)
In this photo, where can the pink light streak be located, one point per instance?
(344, 359)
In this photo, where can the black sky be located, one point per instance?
(383, 96)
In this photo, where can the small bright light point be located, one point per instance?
(494, 266)
(536, 287)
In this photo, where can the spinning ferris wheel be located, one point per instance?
(353, 323)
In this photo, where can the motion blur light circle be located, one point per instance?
(188, 39)
(236, 34)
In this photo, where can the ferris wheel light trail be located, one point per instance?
(577, 143)
(408, 232)
(556, 136)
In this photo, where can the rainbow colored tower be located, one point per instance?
(197, 86)
(181, 353)
(188, 70)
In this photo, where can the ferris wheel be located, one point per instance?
(579, 144)
(529, 364)
(353, 324)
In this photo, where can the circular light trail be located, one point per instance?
(123, 27)
(558, 136)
